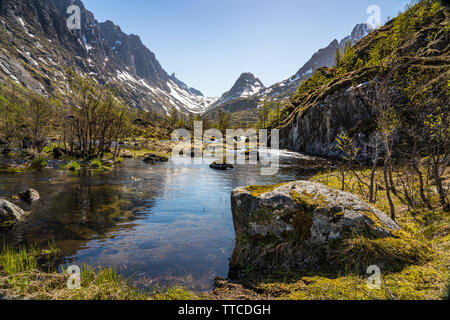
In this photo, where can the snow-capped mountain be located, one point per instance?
(36, 47)
(185, 87)
(247, 85)
(322, 58)
(248, 91)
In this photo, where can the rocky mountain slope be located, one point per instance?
(410, 54)
(236, 101)
(36, 47)
(322, 58)
(246, 85)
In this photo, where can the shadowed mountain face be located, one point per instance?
(414, 63)
(36, 48)
(39, 47)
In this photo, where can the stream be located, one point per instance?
(165, 223)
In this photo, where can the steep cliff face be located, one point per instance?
(344, 99)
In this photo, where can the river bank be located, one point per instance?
(418, 279)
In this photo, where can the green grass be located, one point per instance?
(22, 276)
(96, 163)
(18, 261)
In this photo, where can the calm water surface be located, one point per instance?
(165, 222)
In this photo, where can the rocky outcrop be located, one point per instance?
(29, 195)
(296, 217)
(345, 101)
(341, 109)
(10, 212)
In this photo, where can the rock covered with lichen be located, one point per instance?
(297, 215)
(10, 212)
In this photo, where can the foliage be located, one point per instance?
(72, 166)
(22, 276)
(39, 163)
(96, 118)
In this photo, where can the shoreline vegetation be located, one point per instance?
(92, 128)
(30, 273)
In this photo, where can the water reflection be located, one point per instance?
(170, 223)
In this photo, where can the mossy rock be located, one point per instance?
(302, 222)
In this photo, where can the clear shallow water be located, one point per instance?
(165, 222)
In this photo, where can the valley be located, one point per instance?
(91, 174)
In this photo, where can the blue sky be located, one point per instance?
(209, 43)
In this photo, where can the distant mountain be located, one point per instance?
(347, 102)
(184, 86)
(246, 85)
(322, 58)
(36, 47)
(248, 91)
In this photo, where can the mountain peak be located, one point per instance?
(247, 84)
(247, 75)
(324, 57)
(361, 30)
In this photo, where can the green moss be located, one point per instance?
(39, 163)
(14, 170)
(6, 224)
(308, 201)
(96, 163)
(260, 190)
(72, 166)
(119, 160)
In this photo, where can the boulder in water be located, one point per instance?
(153, 158)
(29, 195)
(221, 166)
(10, 212)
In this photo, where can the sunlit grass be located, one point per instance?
(21, 276)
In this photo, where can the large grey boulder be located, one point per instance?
(300, 213)
(9, 211)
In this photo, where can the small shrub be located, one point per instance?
(96, 163)
(39, 163)
(72, 166)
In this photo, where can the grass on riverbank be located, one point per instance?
(30, 274)
(423, 275)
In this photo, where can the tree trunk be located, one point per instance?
(388, 189)
(421, 185)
